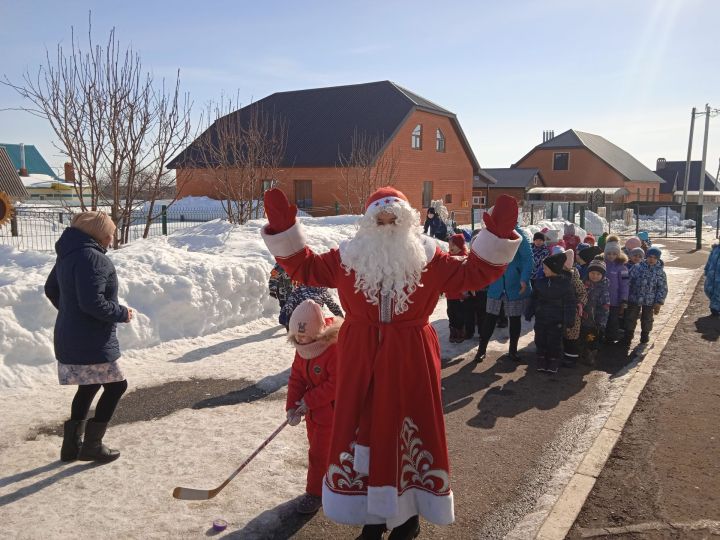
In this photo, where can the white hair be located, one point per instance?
(388, 259)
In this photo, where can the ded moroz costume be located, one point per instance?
(388, 456)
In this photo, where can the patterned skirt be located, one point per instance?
(90, 374)
(513, 308)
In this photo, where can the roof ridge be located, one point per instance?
(303, 90)
(405, 91)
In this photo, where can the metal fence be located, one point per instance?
(659, 219)
(38, 228)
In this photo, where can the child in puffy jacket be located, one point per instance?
(554, 306)
(648, 290)
(539, 252)
(570, 237)
(596, 311)
(618, 281)
(460, 305)
(280, 285)
(311, 391)
(635, 256)
(712, 280)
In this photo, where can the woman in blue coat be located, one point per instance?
(509, 292)
(712, 279)
(83, 286)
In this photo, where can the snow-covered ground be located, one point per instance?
(203, 312)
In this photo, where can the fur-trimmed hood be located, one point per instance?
(327, 337)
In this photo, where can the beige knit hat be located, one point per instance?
(307, 319)
(94, 223)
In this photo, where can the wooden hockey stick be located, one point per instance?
(190, 494)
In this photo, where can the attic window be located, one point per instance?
(439, 141)
(560, 161)
(417, 137)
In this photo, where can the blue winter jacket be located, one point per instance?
(519, 269)
(648, 284)
(83, 286)
(712, 277)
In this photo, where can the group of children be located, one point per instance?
(581, 295)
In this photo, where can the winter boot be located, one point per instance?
(553, 365)
(407, 531)
(513, 352)
(542, 363)
(372, 532)
(308, 504)
(92, 448)
(481, 352)
(714, 313)
(644, 337)
(72, 439)
(460, 336)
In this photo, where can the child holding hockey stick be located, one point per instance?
(311, 391)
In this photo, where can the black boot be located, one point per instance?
(480, 354)
(72, 439)
(92, 448)
(372, 532)
(407, 531)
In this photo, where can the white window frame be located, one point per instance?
(478, 200)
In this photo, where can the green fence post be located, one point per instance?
(552, 211)
(163, 213)
(472, 219)
(637, 221)
(337, 208)
(717, 224)
(698, 226)
(667, 211)
(582, 217)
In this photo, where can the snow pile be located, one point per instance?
(192, 283)
(555, 225)
(594, 223)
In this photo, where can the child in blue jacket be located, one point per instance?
(648, 290)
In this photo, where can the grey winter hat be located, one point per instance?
(637, 251)
(597, 265)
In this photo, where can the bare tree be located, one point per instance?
(367, 167)
(116, 124)
(239, 153)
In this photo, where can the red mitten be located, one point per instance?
(504, 217)
(280, 213)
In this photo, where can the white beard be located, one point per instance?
(387, 260)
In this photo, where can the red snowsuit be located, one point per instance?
(388, 455)
(313, 380)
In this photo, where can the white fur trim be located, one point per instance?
(383, 505)
(380, 204)
(430, 246)
(494, 250)
(361, 460)
(286, 243)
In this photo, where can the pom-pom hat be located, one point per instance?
(384, 197)
(597, 265)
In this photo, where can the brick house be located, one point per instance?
(581, 162)
(515, 182)
(434, 159)
(673, 172)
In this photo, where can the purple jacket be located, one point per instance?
(617, 275)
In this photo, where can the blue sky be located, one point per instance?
(629, 71)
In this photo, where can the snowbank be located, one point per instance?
(195, 282)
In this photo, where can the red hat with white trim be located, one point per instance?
(385, 196)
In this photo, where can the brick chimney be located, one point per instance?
(69, 173)
(23, 169)
(548, 134)
(660, 165)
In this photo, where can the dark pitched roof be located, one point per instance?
(674, 175)
(10, 181)
(514, 177)
(34, 162)
(321, 121)
(613, 155)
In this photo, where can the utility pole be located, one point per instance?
(687, 164)
(704, 156)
